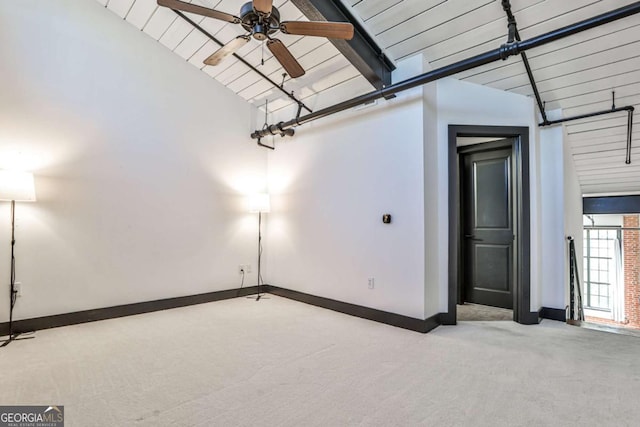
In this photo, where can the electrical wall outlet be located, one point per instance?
(244, 268)
(372, 283)
(18, 288)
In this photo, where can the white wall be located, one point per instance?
(141, 163)
(335, 178)
(330, 186)
(554, 185)
(464, 103)
(561, 214)
(432, 150)
(573, 221)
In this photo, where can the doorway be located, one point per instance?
(487, 216)
(489, 221)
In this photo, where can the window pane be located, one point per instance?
(599, 266)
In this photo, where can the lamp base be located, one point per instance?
(15, 337)
(258, 297)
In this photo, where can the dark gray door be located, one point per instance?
(488, 227)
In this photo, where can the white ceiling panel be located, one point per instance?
(176, 33)
(120, 7)
(389, 19)
(159, 22)
(192, 43)
(140, 13)
(372, 8)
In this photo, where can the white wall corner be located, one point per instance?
(573, 215)
(433, 150)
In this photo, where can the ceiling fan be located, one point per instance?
(262, 19)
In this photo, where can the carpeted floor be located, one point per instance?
(474, 312)
(281, 363)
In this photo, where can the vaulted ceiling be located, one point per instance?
(326, 69)
(576, 74)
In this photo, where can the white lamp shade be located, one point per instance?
(17, 186)
(259, 203)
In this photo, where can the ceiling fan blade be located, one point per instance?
(263, 6)
(330, 30)
(226, 50)
(286, 59)
(199, 10)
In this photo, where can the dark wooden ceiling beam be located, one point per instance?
(362, 51)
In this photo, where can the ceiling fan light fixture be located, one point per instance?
(260, 32)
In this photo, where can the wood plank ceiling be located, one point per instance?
(327, 69)
(576, 74)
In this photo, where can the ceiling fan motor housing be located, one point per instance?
(261, 26)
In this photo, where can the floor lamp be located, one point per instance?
(15, 187)
(259, 203)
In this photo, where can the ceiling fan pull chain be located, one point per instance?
(284, 76)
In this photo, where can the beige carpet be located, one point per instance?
(474, 312)
(281, 363)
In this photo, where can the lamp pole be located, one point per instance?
(15, 187)
(12, 296)
(259, 252)
(259, 203)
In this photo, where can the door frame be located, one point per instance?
(522, 284)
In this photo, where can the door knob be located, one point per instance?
(472, 237)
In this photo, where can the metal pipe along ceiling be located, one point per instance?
(501, 53)
(629, 109)
(514, 35)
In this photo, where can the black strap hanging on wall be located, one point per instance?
(576, 310)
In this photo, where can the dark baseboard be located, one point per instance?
(67, 319)
(46, 322)
(559, 314)
(448, 319)
(530, 318)
(392, 319)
